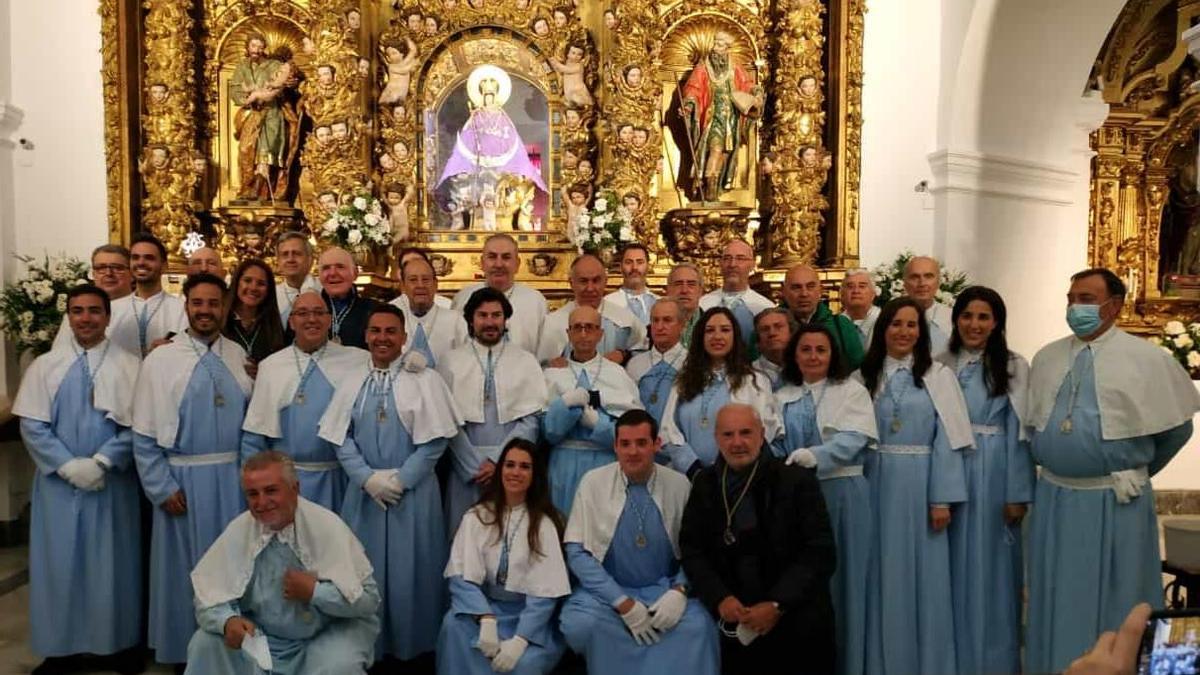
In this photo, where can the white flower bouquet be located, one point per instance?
(357, 225)
(1182, 341)
(32, 308)
(603, 229)
(889, 281)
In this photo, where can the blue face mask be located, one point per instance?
(1083, 319)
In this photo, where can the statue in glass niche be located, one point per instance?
(266, 124)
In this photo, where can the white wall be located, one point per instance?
(61, 203)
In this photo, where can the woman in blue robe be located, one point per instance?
(717, 371)
(828, 421)
(985, 534)
(915, 477)
(506, 575)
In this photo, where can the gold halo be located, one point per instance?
(494, 72)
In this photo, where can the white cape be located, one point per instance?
(323, 543)
(475, 555)
(1140, 388)
(642, 363)
(520, 386)
(277, 381)
(164, 378)
(1018, 383)
(113, 386)
(600, 500)
(756, 394)
(948, 401)
(424, 404)
(618, 393)
(755, 302)
(841, 406)
(445, 329)
(554, 329)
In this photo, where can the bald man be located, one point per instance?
(349, 311)
(205, 260)
(922, 279)
(622, 330)
(802, 295)
(500, 262)
(737, 264)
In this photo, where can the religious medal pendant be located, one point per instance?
(501, 577)
(728, 537)
(219, 401)
(300, 398)
(654, 397)
(1066, 426)
(896, 425)
(704, 421)
(336, 339)
(640, 540)
(381, 415)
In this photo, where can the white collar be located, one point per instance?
(814, 388)
(670, 356)
(137, 298)
(966, 357)
(891, 365)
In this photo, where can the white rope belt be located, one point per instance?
(317, 466)
(1126, 485)
(202, 460)
(576, 444)
(905, 449)
(842, 472)
(987, 429)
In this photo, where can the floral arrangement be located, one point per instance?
(358, 224)
(889, 281)
(32, 308)
(1182, 342)
(603, 229)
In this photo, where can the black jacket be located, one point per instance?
(353, 331)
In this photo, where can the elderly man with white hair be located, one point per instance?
(349, 310)
(858, 302)
(286, 588)
(621, 330)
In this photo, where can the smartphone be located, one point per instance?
(1171, 643)
(594, 399)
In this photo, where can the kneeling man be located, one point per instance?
(631, 612)
(286, 589)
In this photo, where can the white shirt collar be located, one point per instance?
(966, 357)
(669, 356)
(891, 365)
(814, 388)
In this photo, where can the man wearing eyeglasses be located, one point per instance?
(110, 271)
(293, 389)
(737, 264)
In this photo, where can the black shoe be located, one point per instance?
(131, 661)
(179, 668)
(58, 665)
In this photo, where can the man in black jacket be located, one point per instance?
(348, 309)
(758, 549)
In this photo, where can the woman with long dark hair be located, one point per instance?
(828, 420)
(915, 477)
(253, 317)
(506, 574)
(715, 372)
(985, 536)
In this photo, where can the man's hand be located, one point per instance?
(668, 609)
(939, 518)
(637, 620)
(761, 618)
(236, 630)
(616, 356)
(299, 585)
(557, 362)
(590, 418)
(155, 344)
(1115, 653)
(384, 487)
(486, 468)
(732, 610)
(1014, 513)
(176, 504)
(576, 398)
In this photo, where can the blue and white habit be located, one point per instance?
(529, 312)
(85, 562)
(622, 331)
(688, 426)
(435, 333)
(654, 372)
(745, 305)
(603, 552)
(188, 411)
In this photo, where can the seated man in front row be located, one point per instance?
(286, 588)
(630, 612)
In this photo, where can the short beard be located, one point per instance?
(719, 62)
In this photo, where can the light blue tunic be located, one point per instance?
(214, 497)
(985, 553)
(592, 626)
(474, 444)
(848, 501)
(420, 342)
(528, 616)
(85, 561)
(655, 386)
(696, 420)
(577, 449)
(406, 543)
(326, 636)
(1091, 559)
(910, 616)
(299, 422)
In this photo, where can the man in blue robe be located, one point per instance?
(737, 265)
(391, 422)
(434, 330)
(188, 412)
(622, 331)
(85, 561)
(655, 369)
(293, 388)
(1107, 411)
(285, 589)
(631, 612)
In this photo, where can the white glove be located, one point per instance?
(415, 362)
(384, 487)
(489, 638)
(590, 418)
(511, 651)
(576, 398)
(668, 610)
(804, 457)
(84, 473)
(637, 620)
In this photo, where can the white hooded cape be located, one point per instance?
(841, 406)
(475, 554)
(520, 386)
(600, 500)
(113, 386)
(618, 393)
(277, 381)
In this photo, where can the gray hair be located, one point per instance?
(686, 266)
(915, 258)
(680, 312)
(116, 249)
(786, 313)
(855, 271)
(268, 458)
(294, 235)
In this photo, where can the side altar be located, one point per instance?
(232, 121)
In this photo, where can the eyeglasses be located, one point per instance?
(740, 259)
(110, 269)
(584, 328)
(311, 314)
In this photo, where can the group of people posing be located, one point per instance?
(698, 482)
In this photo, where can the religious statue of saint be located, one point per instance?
(718, 99)
(265, 124)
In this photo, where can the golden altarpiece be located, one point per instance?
(235, 120)
(1144, 220)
